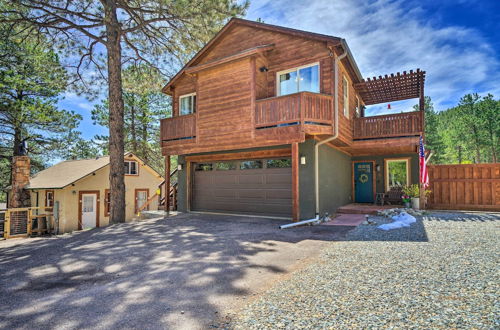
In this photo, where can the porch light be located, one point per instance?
(179, 167)
(377, 168)
(302, 160)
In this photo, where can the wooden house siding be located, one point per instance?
(235, 78)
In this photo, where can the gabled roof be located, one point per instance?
(67, 172)
(335, 41)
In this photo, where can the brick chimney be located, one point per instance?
(19, 197)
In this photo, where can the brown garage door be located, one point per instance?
(260, 186)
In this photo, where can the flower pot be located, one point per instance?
(415, 203)
(406, 205)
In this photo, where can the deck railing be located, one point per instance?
(178, 128)
(303, 107)
(401, 124)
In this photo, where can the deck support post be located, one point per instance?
(295, 182)
(167, 183)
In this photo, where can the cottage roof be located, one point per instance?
(67, 172)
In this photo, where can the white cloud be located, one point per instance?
(386, 37)
(85, 106)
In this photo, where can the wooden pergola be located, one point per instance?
(394, 87)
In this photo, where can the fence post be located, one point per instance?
(29, 223)
(6, 225)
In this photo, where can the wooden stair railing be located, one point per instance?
(172, 193)
(145, 205)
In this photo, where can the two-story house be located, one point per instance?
(269, 120)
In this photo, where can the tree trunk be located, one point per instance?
(133, 132)
(116, 119)
(144, 133)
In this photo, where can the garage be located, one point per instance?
(252, 186)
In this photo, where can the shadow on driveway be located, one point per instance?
(180, 272)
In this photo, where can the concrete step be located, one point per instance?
(153, 214)
(355, 208)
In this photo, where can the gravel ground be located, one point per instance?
(442, 272)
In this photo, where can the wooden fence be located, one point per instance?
(465, 187)
(19, 222)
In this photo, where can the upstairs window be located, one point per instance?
(131, 167)
(345, 90)
(301, 79)
(187, 104)
(358, 108)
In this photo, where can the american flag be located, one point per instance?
(424, 174)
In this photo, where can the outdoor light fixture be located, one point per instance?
(263, 69)
(302, 160)
(377, 168)
(179, 167)
(73, 192)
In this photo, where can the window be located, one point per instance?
(345, 90)
(301, 79)
(279, 163)
(396, 173)
(358, 108)
(203, 167)
(251, 164)
(225, 166)
(107, 202)
(131, 167)
(49, 198)
(187, 104)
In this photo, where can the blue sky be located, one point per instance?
(456, 42)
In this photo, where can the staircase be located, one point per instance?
(172, 193)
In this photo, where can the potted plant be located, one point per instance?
(413, 191)
(406, 201)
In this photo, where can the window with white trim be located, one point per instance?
(345, 90)
(301, 79)
(187, 104)
(131, 167)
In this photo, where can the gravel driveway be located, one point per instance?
(181, 272)
(442, 272)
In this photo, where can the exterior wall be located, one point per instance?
(68, 197)
(379, 160)
(182, 185)
(334, 180)
(289, 51)
(229, 90)
(345, 123)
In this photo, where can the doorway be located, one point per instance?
(363, 181)
(88, 209)
(141, 198)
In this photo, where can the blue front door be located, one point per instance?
(363, 182)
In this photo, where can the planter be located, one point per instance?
(415, 203)
(406, 205)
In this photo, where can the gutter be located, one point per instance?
(335, 135)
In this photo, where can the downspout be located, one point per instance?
(336, 125)
(335, 135)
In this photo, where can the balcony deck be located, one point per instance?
(312, 111)
(386, 126)
(180, 129)
(290, 118)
